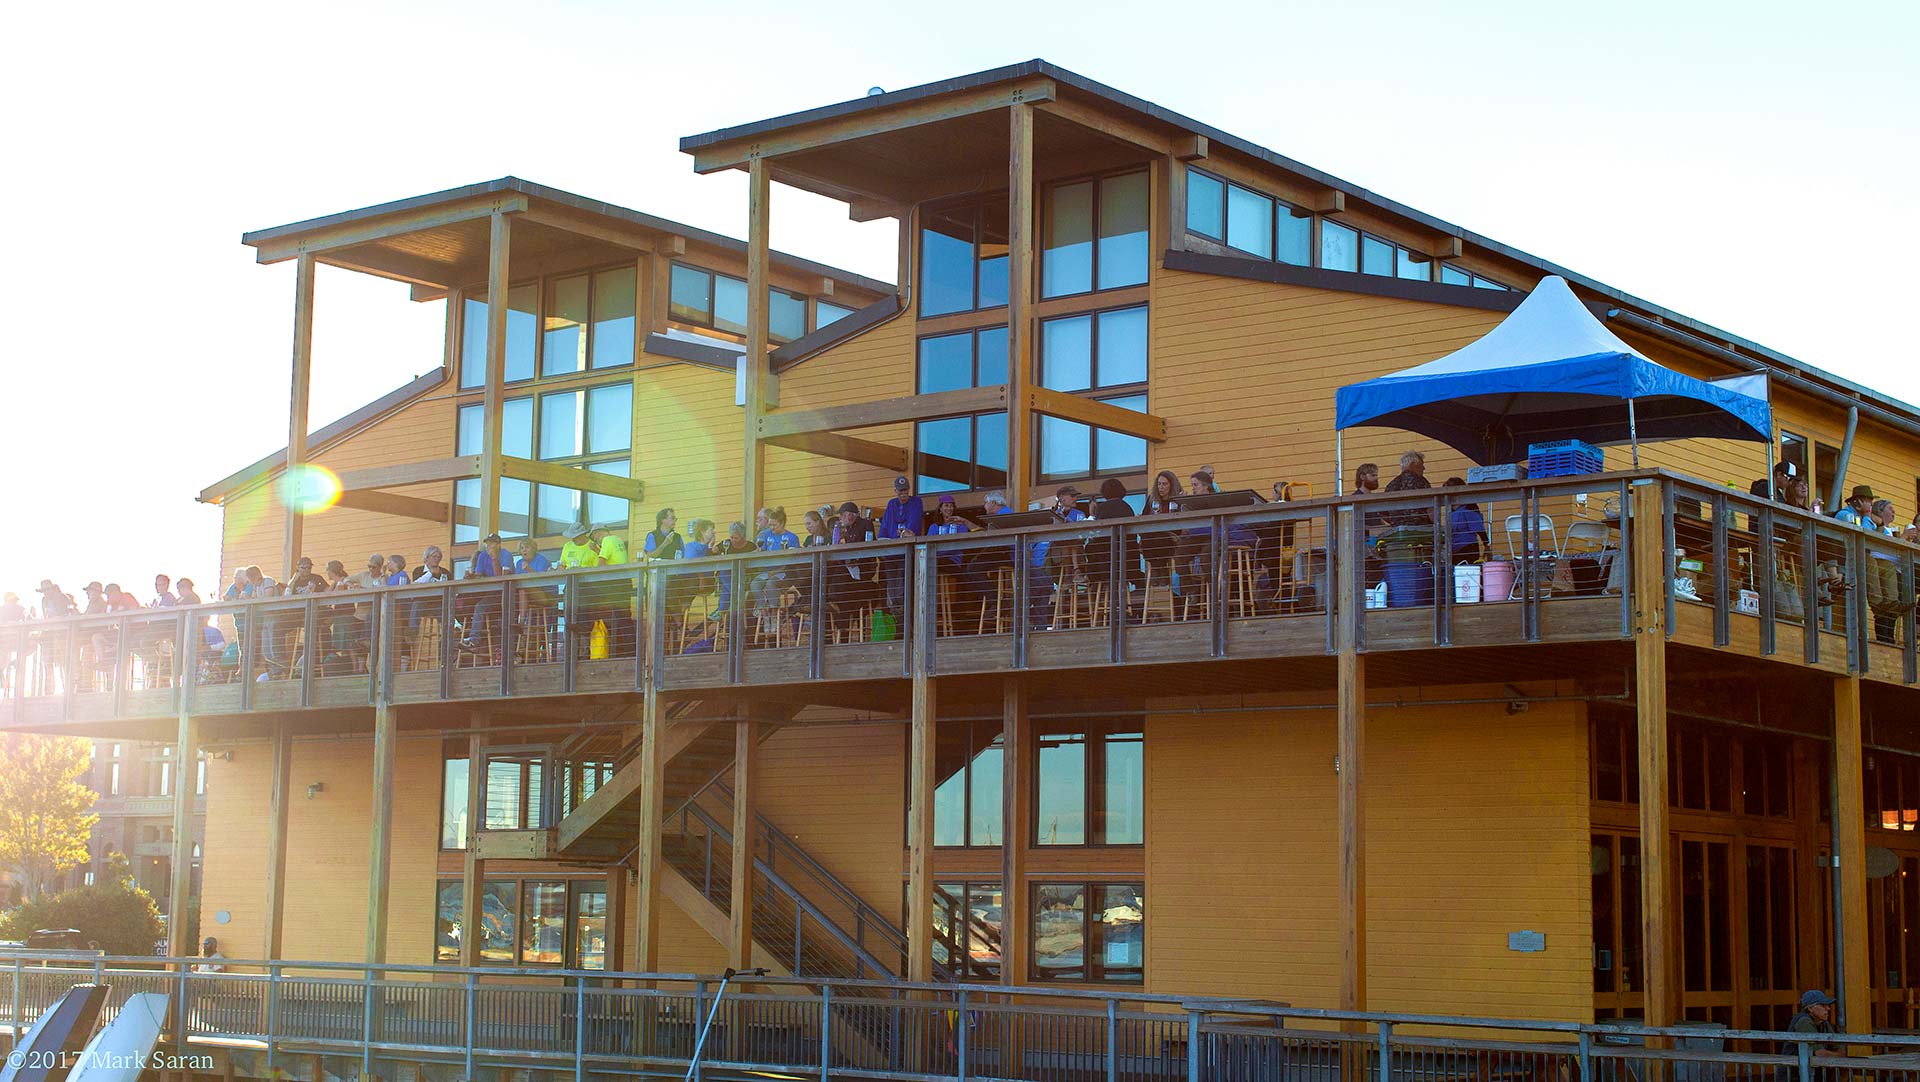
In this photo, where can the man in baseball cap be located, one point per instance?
(1815, 1016)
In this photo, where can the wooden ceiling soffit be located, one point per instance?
(845, 448)
(458, 468)
(886, 411)
(601, 231)
(548, 473)
(861, 124)
(1154, 140)
(392, 503)
(1072, 407)
(868, 209)
(422, 274)
(348, 234)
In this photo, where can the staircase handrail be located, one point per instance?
(860, 953)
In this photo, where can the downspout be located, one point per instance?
(1846, 455)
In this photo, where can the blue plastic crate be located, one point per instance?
(1568, 463)
(1537, 449)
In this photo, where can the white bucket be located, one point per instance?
(1377, 596)
(1466, 584)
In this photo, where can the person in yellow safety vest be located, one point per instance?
(613, 548)
(579, 551)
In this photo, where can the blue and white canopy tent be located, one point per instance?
(1551, 371)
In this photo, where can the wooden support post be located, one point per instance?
(1350, 763)
(473, 873)
(903, 270)
(180, 889)
(297, 409)
(1657, 934)
(746, 773)
(753, 471)
(380, 843)
(1807, 817)
(1019, 303)
(653, 776)
(277, 840)
(1850, 858)
(1016, 816)
(920, 829)
(499, 245)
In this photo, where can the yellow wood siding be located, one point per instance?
(687, 445)
(327, 847)
(1476, 827)
(876, 365)
(254, 525)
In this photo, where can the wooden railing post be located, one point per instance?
(1650, 587)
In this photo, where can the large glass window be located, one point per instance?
(1206, 205)
(543, 923)
(1249, 221)
(1096, 235)
(1093, 353)
(532, 922)
(1339, 246)
(968, 760)
(516, 790)
(967, 929)
(708, 299)
(516, 440)
(958, 454)
(1089, 932)
(590, 428)
(453, 805)
(614, 322)
(563, 343)
(1090, 786)
(1293, 236)
(963, 257)
(826, 314)
(523, 332)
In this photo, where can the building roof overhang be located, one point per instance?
(888, 151)
(438, 242)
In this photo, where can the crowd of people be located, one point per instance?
(1862, 510)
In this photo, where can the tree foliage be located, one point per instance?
(44, 821)
(113, 913)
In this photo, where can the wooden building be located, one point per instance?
(1563, 807)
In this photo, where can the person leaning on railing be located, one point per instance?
(1882, 574)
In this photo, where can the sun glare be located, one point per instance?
(309, 489)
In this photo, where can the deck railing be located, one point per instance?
(1484, 565)
(284, 1016)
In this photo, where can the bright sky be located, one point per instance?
(1748, 164)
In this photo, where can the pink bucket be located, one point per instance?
(1496, 580)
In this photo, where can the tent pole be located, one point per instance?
(1633, 433)
(1339, 465)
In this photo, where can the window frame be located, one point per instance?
(969, 972)
(965, 777)
(806, 300)
(1096, 179)
(1093, 797)
(589, 458)
(1092, 942)
(543, 285)
(974, 477)
(976, 203)
(1094, 392)
(573, 886)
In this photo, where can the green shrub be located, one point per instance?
(112, 914)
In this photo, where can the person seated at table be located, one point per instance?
(1113, 505)
(737, 543)
(815, 524)
(953, 564)
(491, 562)
(1775, 487)
(767, 586)
(530, 560)
(612, 548)
(1468, 541)
(851, 584)
(662, 543)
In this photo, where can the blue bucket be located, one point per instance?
(1409, 585)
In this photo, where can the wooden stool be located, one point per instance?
(1194, 593)
(479, 655)
(1240, 581)
(1066, 600)
(1099, 610)
(426, 644)
(1158, 595)
(1001, 603)
(943, 620)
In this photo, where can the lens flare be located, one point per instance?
(308, 489)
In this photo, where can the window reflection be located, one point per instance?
(543, 923)
(613, 317)
(957, 454)
(1089, 932)
(1206, 206)
(1376, 256)
(1339, 246)
(499, 920)
(563, 346)
(967, 929)
(446, 933)
(825, 314)
(453, 805)
(968, 760)
(1249, 221)
(590, 926)
(1124, 224)
(1066, 261)
(1090, 786)
(963, 257)
(522, 333)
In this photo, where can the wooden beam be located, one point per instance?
(746, 779)
(274, 912)
(186, 749)
(650, 865)
(734, 153)
(510, 845)
(550, 473)
(1087, 411)
(1190, 148)
(473, 870)
(584, 227)
(1350, 762)
(1122, 129)
(458, 468)
(920, 758)
(1329, 202)
(492, 412)
(1657, 933)
(392, 503)
(1016, 817)
(1850, 858)
(674, 245)
(845, 448)
(380, 840)
(753, 470)
(348, 234)
(1444, 248)
(297, 411)
(428, 280)
(1020, 294)
(886, 411)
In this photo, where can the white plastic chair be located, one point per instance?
(1542, 524)
(1591, 536)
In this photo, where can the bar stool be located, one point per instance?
(1001, 604)
(1240, 581)
(1157, 597)
(426, 645)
